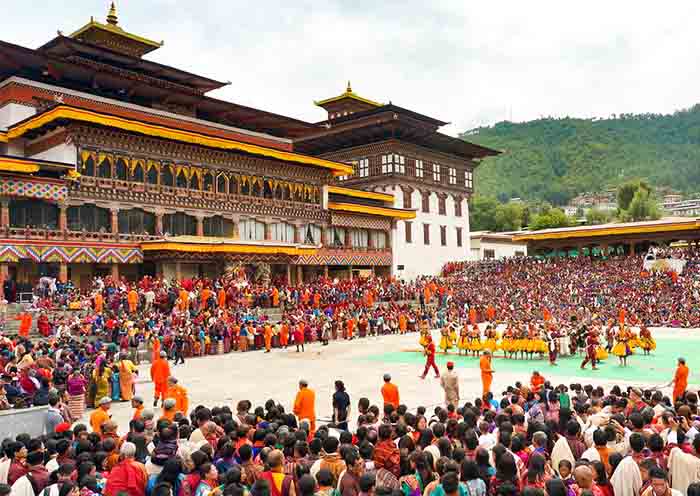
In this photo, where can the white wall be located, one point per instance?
(501, 250)
(66, 153)
(416, 257)
(14, 112)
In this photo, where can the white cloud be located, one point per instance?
(466, 62)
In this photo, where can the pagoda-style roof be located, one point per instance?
(60, 115)
(3, 137)
(347, 96)
(111, 35)
(208, 244)
(361, 194)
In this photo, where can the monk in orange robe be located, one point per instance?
(621, 316)
(275, 297)
(160, 371)
(99, 303)
(133, 299)
(268, 338)
(536, 381)
(305, 405)
(317, 300)
(184, 300)
(680, 379)
(25, 324)
(490, 313)
(204, 296)
(350, 327)
(472, 316)
(284, 335)
(156, 349)
(179, 394)
(486, 372)
(403, 323)
(221, 298)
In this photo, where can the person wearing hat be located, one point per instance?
(430, 358)
(100, 415)
(169, 410)
(160, 371)
(390, 392)
(449, 381)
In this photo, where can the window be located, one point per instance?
(407, 198)
(468, 179)
(251, 230)
(133, 221)
(33, 213)
(90, 218)
(363, 167)
(179, 224)
(436, 173)
(221, 184)
(419, 168)
(218, 227)
(452, 175)
(312, 235)
(338, 238)
(359, 238)
(426, 234)
(283, 232)
(519, 253)
(378, 239)
(393, 162)
(442, 209)
(443, 235)
(458, 207)
(409, 232)
(425, 206)
(459, 236)
(489, 254)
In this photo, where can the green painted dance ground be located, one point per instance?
(655, 369)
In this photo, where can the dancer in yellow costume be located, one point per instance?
(475, 341)
(445, 341)
(647, 342)
(491, 343)
(454, 339)
(463, 343)
(622, 348)
(508, 343)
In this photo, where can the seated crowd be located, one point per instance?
(556, 441)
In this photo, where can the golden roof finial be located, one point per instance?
(112, 16)
(349, 88)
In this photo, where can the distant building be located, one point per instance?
(487, 245)
(685, 208)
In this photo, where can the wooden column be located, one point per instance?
(63, 272)
(115, 272)
(115, 220)
(325, 271)
(200, 225)
(268, 231)
(300, 274)
(4, 212)
(62, 217)
(178, 271)
(297, 234)
(289, 274)
(348, 238)
(159, 223)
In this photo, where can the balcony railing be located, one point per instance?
(35, 233)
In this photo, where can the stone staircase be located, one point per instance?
(12, 322)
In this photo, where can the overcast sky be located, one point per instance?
(466, 62)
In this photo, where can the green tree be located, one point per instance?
(509, 217)
(482, 213)
(626, 192)
(550, 219)
(643, 206)
(597, 216)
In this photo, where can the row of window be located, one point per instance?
(183, 177)
(426, 234)
(394, 163)
(91, 218)
(425, 203)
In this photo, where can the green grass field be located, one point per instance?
(655, 369)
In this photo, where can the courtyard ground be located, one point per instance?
(258, 376)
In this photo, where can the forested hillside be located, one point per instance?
(555, 159)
